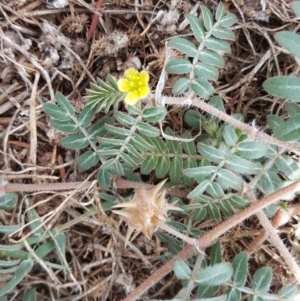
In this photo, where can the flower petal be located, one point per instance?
(123, 85)
(144, 91)
(131, 98)
(144, 77)
(131, 74)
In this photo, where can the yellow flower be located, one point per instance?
(136, 84)
(145, 211)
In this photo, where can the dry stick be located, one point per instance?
(43, 187)
(94, 21)
(33, 132)
(251, 131)
(208, 238)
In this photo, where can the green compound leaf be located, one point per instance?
(199, 214)
(8, 201)
(103, 177)
(262, 280)
(175, 169)
(55, 112)
(99, 130)
(180, 86)
(117, 169)
(129, 160)
(217, 45)
(270, 182)
(86, 116)
(214, 213)
(149, 164)
(136, 155)
(215, 190)
(216, 254)
(288, 166)
(228, 20)
(205, 291)
(229, 179)
(184, 46)
(140, 143)
(87, 160)
(64, 104)
(288, 130)
(211, 153)
(117, 131)
(289, 40)
(295, 5)
(283, 86)
(221, 11)
(162, 167)
(238, 202)
(189, 163)
(102, 95)
(124, 118)
(179, 66)
(65, 126)
(107, 144)
(215, 275)
(207, 71)
(207, 17)
(216, 102)
(229, 135)
(212, 58)
(173, 145)
(223, 33)
(199, 189)
(289, 291)
(293, 109)
(252, 150)
(188, 147)
(233, 295)
(74, 142)
(202, 87)
(200, 171)
(154, 114)
(197, 27)
(274, 121)
(240, 165)
(240, 269)
(24, 268)
(159, 145)
(109, 152)
(226, 208)
(147, 129)
(182, 270)
(134, 110)
(194, 119)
